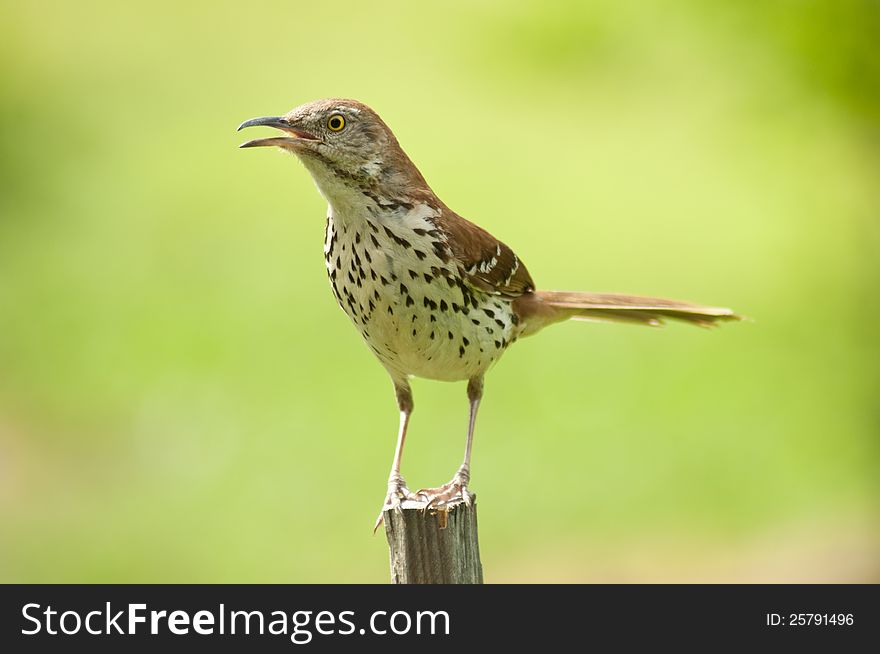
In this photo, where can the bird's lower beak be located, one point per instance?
(278, 122)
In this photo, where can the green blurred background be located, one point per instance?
(181, 399)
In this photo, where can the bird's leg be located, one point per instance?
(457, 488)
(397, 489)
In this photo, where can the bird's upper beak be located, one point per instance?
(278, 122)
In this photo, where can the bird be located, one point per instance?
(432, 294)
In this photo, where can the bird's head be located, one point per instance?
(344, 144)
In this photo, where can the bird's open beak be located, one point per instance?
(278, 122)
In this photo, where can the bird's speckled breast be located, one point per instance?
(392, 273)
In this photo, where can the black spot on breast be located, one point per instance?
(373, 274)
(499, 323)
(421, 255)
(455, 307)
(338, 264)
(443, 305)
(390, 311)
(350, 278)
(375, 242)
(475, 321)
(428, 278)
(384, 281)
(409, 301)
(432, 335)
(357, 237)
(413, 274)
(465, 341)
(497, 345)
(450, 335)
(397, 239)
(460, 351)
(403, 289)
(489, 313)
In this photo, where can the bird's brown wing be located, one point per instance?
(485, 262)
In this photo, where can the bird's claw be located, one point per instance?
(397, 491)
(455, 490)
(433, 499)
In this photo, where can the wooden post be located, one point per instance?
(434, 546)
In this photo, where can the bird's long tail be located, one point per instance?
(542, 308)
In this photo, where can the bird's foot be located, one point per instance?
(397, 491)
(455, 490)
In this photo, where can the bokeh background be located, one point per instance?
(181, 400)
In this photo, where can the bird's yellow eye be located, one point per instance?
(336, 123)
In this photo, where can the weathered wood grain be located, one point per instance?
(434, 546)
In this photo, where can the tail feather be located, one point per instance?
(542, 308)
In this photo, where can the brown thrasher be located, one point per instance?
(432, 294)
